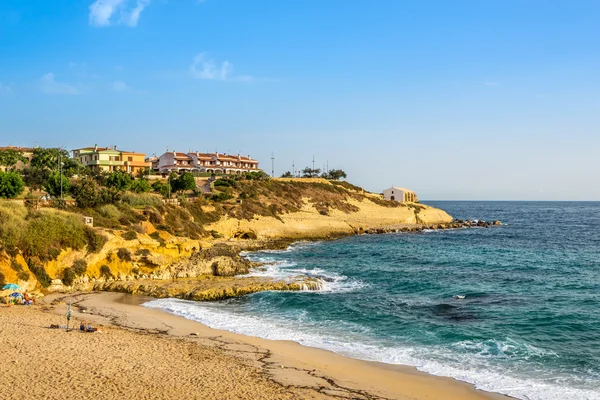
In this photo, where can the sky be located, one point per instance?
(457, 100)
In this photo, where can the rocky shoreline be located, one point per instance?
(456, 224)
(217, 273)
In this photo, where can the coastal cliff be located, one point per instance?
(159, 243)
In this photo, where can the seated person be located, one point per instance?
(86, 327)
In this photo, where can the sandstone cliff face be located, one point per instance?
(308, 223)
(159, 256)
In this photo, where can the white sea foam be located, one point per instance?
(471, 366)
(286, 270)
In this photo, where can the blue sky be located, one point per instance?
(454, 99)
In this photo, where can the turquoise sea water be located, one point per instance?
(529, 325)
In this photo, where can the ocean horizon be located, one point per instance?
(511, 309)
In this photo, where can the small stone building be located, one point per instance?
(400, 195)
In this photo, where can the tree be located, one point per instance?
(35, 177)
(336, 174)
(95, 173)
(310, 173)
(173, 181)
(184, 182)
(71, 167)
(288, 174)
(86, 193)
(11, 184)
(52, 185)
(163, 188)
(142, 173)
(10, 157)
(48, 158)
(140, 186)
(118, 180)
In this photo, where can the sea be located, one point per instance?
(512, 309)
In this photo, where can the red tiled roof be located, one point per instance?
(210, 156)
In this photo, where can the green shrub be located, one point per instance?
(95, 241)
(140, 186)
(53, 253)
(225, 182)
(221, 197)
(105, 272)
(86, 193)
(142, 200)
(155, 235)
(49, 230)
(118, 180)
(124, 254)
(78, 268)
(109, 211)
(216, 234)
(18, 268)
(12, 220)
(41, 274)
(153, 216)
(130, 235)
(162, 188)
(11, 184)
(68, 277)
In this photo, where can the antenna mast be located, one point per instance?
(273, 164)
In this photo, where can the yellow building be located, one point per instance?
(111, 159)
(134, 162)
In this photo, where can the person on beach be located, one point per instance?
(85, 327)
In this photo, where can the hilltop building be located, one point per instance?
(400, 194)
(215, 163)
(111, 159)
(26, 152)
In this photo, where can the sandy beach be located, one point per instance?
(149, 354)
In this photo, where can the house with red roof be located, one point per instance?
(214, 163)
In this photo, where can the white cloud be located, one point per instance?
(204, 67)
(120, 86)
(101, 11)
(49, 85)
(131, 18)
(104, 12)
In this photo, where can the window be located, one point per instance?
(129, 158)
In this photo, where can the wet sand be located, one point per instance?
(143, 353)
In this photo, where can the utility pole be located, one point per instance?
(293, 169)
(272, 164)
(313, 171)
(327, 166)
(61, 174)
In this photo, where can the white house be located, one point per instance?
(400, 194)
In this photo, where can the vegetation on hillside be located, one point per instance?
(120, 201)
(40, 235)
